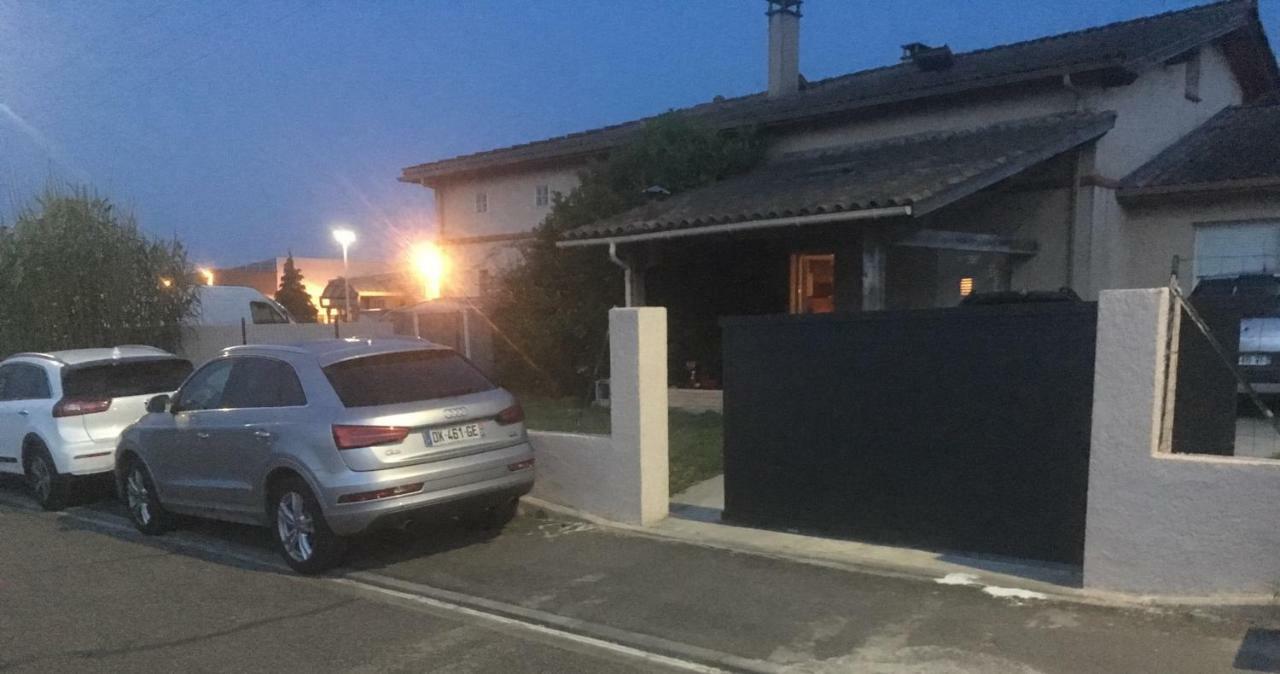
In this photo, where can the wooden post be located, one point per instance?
(873, 263)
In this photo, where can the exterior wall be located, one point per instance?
(511, 202)
(511, 211)
(1041, 215)
(623, 477)
(1155, 233)
(467, 262)
(1172, 524)
(1152, 114)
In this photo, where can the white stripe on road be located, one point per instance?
(501, 615)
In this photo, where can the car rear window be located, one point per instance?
(124, 378)
(410, 376)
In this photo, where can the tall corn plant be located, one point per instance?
(77, 272)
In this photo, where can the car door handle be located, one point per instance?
(23, 413)
(202, 435)
(263, 435)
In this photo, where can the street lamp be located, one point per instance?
(345, 238)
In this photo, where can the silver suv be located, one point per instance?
(323, 440)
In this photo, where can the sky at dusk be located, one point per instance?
(246, 128)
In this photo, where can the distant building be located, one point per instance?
(264, 275)
(371, 296)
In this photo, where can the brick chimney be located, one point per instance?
(784, 47)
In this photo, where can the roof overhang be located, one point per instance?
(1218, 188)
(730, 228)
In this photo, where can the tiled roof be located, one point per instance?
(1129, 46)
(1239, 145)
(922, 171)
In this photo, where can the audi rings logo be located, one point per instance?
(455, 412)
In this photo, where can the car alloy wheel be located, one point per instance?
(295, 526)
(41, 478)
(138, 498)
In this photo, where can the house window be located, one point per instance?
(482, 202)
(542, 195)
(966, 286)
(1193, 76)
(813, 283)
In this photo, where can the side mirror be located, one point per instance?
(158, 404)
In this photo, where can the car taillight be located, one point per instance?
(511, 415)
(71, 407)
(350, 437)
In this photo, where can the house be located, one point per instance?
(264, 275)
(1041, 164)
(368, 296)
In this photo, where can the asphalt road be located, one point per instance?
(79, 591)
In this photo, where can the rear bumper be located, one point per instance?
(86, 457)
(470, 482)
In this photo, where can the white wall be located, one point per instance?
(1157, 231)
(623, 477)
(202, 343)
(511, 198)
(1152, 114)
(1163, 523)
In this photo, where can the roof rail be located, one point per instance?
(35, 354)
(268, 347)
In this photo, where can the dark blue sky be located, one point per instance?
(249, 127)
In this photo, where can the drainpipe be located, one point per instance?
(1075, 190)
(626, 272)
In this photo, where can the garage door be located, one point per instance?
(1230, 249)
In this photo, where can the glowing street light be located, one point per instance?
(345, 238)
(430, 264)
(207, 274)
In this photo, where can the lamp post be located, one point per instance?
(345, 238)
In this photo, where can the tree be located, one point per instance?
(76, 272)
(293, 296)
(552, 307)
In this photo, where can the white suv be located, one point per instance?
(61, 413)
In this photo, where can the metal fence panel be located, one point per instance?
(964, 428)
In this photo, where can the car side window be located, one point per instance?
(20, 381)
(262, 382)
(204, 390)
(263, 313)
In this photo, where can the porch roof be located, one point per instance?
(903, 176)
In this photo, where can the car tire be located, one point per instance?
(142, 501)
(300, 531)
(495, 517)
(49, 487)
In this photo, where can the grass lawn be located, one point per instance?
(695, 443)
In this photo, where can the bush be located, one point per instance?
(553, 306)
(75, 272)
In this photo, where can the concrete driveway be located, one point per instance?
(81, 591)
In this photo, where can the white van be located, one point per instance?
(228, 305)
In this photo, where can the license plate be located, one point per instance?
(1255, 359)
(452, 434)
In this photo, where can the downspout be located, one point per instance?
(626, 272)
(1073, 198)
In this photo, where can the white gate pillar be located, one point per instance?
(638, 409)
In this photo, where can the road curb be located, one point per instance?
(532, 505)
(644, 642)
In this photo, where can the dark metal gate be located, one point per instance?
(962, 429)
